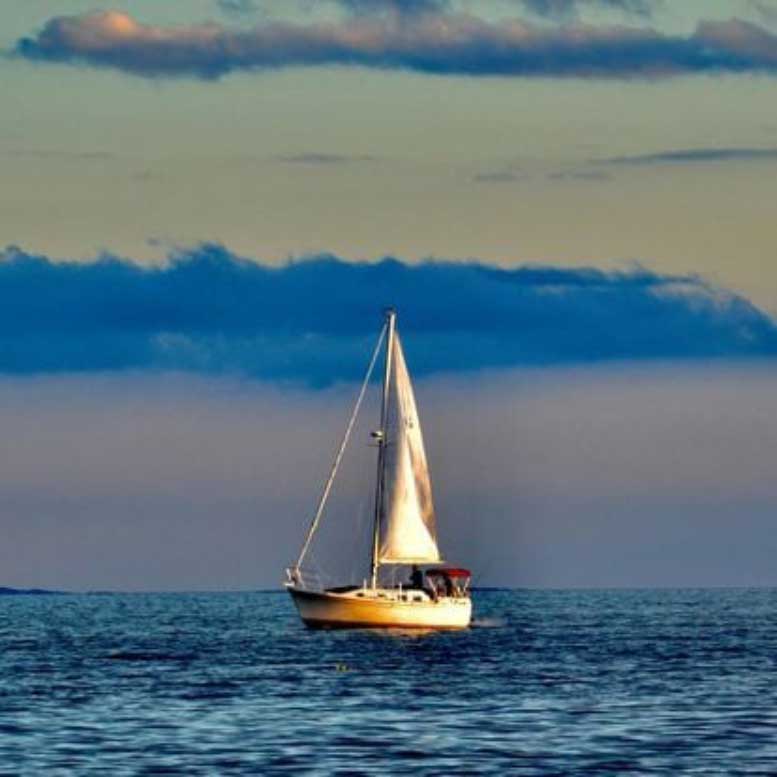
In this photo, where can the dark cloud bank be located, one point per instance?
(316, 320)
(438, 43)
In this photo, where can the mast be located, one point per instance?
(380, 435)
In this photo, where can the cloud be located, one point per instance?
(395, 7)
(508, 175)
(318, 158)
(452, 44)
(579, 175)
(693, 156)
(238, 7)
(566, 9)
(498, 176)
(315, 320)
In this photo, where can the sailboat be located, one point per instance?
(404, 527)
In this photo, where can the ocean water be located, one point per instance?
(545, 683)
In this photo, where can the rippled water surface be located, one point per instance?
(546, 683)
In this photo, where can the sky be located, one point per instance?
(204, 206)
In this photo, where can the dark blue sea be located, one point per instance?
(545, 683)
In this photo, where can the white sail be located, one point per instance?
(407, 525)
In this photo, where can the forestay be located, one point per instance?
(407, 523)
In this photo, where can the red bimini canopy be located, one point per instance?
(458, 572)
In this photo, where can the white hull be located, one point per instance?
(381, 608)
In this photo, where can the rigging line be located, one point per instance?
(340, 452)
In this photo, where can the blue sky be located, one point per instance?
(205, 206)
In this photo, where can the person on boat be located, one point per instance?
(416, 578)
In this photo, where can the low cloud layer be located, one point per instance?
(693, 156)
(316, 320)
(446, 44)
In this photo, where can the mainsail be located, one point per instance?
(407, 525)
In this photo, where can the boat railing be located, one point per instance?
(305, 578)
